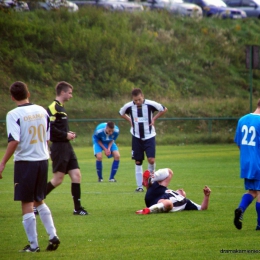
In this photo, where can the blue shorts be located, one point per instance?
(30, 180)
(252, 184)
(98, 149)
(139, 147)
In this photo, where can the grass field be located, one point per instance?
(112, 230)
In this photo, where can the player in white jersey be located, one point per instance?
(141, 114)
(28, 134)
(247, 139)
(159, 198)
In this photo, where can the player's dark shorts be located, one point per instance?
(252, 184)
(30, 180)
(154, 193)
(63, 157)
(139, 147)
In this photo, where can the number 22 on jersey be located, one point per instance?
(249, 133)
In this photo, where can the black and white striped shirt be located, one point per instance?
(141, 117)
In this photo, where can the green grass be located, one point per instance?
(113, 230)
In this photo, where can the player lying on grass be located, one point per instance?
(159, 198)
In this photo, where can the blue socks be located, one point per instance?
(99, 169)
(245, 201)
(257, 208)
(114, 169)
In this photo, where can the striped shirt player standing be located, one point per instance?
(248, 140)
(28, 134)
(140, 113)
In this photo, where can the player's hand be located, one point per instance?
(71, 135)
(206, 191)
(2, 167)
(107, 152)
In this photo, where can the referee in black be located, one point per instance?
(64, 160)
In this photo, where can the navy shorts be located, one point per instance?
(30, 180)
(63, 157)
(139, 147)
(252, 184)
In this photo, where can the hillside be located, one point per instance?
(195, 67)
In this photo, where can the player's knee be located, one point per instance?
(99, 156)
(170, 172)
(116, 156)
(151, 160)
(57, 179)
(138, 163)
(75, 176)
(168, 205)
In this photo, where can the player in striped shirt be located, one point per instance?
(142, 113)
(159, 198)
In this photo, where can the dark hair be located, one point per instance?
(258, 103)
(136, 92)
(19, 90)
(62, 86)
(110, 125)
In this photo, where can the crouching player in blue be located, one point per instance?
(103, 139)
(159, 198)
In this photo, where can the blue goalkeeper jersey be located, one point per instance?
(248, 139)
(101, 135)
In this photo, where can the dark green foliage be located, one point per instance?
(194, 67)
(107, 54)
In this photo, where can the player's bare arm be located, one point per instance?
(11, 147)
(159, 114)
(127, 118)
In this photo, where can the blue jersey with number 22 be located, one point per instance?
(248, 139)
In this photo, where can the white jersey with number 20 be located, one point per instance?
(29, 125)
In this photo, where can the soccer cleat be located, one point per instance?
(28, 249)
(100, 180)
(139, 189)
(146, 179)
(144, 211)
(53, 244)
(112, 180)
(35, 211)
(257, 228)
(81, 211)
(238, 218)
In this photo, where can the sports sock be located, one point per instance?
(75, 191)
(139, 175)
(245, 201)
(29, 224)
(99, 169)
(151, 167)
(257, 207)
(46, 218)
(49, 188)
(161, 174)
(159, 207)
(114, 169)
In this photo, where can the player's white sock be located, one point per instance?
(29, 223)
(151, 167)
(156, 208)
(139, 175)
(46, 218)
(161, 174)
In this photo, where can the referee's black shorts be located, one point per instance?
(63, 157)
